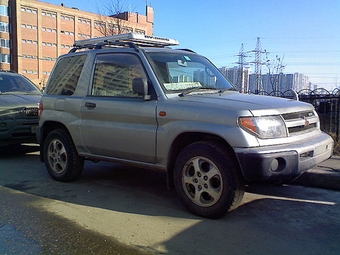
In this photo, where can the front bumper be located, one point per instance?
(283, 162)
(18, 131)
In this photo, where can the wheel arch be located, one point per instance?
(47, 128)
(187, 138)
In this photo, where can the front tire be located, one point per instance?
(208, 180)
(61, 158)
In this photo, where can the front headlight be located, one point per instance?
(264, 127)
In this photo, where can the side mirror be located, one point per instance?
(140, 86)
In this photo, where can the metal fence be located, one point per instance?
(326, 103)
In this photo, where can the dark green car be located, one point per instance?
(19, 99)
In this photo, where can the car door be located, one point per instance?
(115, 120)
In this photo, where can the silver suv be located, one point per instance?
(132, 99)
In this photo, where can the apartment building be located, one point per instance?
(34, 33)
(238, 77)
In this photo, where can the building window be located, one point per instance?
(67, 17)
(138, 31)
(4, 27)
(3, 10)
(127, 29)
(5, 58)
(4, 43)
(29, 26)
(85, 21)
(49, 14)
(29, 10)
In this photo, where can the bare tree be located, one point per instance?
(275, 68)
(113, 16)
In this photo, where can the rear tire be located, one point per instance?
(208, 180)
(61, 158)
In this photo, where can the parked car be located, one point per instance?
(19, 101)
(132, 99)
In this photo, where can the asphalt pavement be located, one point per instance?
(325, 175)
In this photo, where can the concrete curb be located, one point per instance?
(325, 175)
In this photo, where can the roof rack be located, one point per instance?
(130, 39)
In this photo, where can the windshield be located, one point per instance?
(15, 83)
(181, 71)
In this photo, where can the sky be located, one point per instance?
(303, 34)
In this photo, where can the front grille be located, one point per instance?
(30, 111)
(301, 128)
(301, 122)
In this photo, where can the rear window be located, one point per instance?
(65, 75)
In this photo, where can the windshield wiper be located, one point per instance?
(186, 92)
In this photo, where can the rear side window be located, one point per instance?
(66, 75)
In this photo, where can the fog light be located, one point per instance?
(3, 124)
(277, 165)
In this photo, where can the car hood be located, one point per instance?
(257, 104)
(14, 100)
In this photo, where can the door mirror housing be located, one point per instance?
(140, 86)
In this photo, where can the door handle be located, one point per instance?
(90, 105)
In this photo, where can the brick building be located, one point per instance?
(34, 33)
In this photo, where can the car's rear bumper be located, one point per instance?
(284, 162)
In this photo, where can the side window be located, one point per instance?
(115, 75)
(66, 75)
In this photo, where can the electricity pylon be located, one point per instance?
(258, 65)
(241, 81)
